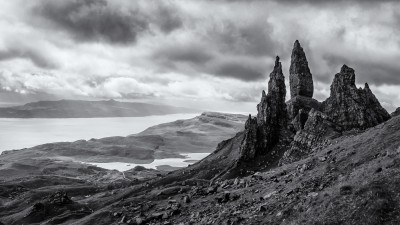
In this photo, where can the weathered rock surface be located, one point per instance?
(249, 144)
(353, 108)
(318, 130)
(301, 82)
(301, 102)
(262, 134)
(301, 88)
(395, 113)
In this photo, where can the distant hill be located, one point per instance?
(88, 109)
(200, 134)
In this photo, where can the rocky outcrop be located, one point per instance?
(248, 147)
(301, 82)
(301, 86)
(395, 113)
(352, 108)
(318, 130)
(301, 102)
(263, 133)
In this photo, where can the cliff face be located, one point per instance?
(353, 108)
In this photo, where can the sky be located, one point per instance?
(208, 54)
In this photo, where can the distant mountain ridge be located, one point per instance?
(89, 109)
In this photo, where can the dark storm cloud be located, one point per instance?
(225, 49)
(373, 72)
(204, 60)
(101, 20)
(249, 38)
(35, 56)
(194, 54)
(245, 71)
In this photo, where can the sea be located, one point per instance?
(26, 133)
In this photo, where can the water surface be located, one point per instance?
(174, 162)
(25, 133)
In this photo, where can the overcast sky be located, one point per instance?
(214, 54)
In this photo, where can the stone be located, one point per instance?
(212, 190)
(269, 195)
(263, 133)
(249, 144)
(317, 130)
(262, 208)
(139, 220)
(300, 102)
(186, 199)
(353, 108)
(300, 79)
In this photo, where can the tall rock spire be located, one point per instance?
(262, 134)
(301, 83)
(273, 103)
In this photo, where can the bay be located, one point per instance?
(26, 133)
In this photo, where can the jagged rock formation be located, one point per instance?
(301, 82)
(263, 133)
(353, 108)
(317, 130)
(301, 87)
(395, 113)
(347, 108)
(300, 102)
(249, 144)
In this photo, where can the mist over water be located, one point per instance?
(25, 133)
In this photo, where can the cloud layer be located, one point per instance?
(187, 50)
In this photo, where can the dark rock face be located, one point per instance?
(248, 148)
(301, 87)
(271, 116)
(301, 102)
(395, 113)
(350, 107)
(301, 82)
(263, 133)
(318, 130)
